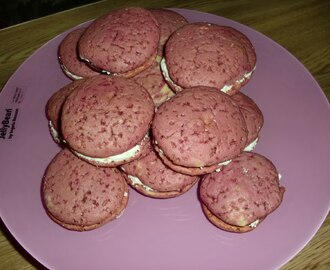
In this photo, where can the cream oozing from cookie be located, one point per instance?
(54, 132)
(102, 71)
(70, 74)
(136, 181)
(251, 146)
(226, 88)
(224, 163)
(254, 224)
(116, 158)
(166, 75)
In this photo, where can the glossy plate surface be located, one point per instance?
(171, 234)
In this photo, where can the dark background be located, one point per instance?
(17, 11)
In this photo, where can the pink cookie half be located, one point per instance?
(123, 42)
(69, 60)
(243, 193)
(199, 127)
(107, 116)
(80, 196)
(208, 55)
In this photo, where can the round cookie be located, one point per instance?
(242, 194)
(199, 128)
(153, 81)
(70, 62)
(253, 118)
(80, 196)
(209, 55)
(169, 21)
(54, 108)
(106, 120)
(151, 177)
(123, 42)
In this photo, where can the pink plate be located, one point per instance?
(173, 233)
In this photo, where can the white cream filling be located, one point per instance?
(116, 158)
(54, 132)
(137, 181)
(70, 74)
(251, 146)
(223, 164)
(246, 76)
(166, 74)
(254, 224)
(226, 88)
(279, 177)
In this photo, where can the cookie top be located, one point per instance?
(120, 41)
(252, 114)
(152, 174)
(169, 21)
(199, 127)
(80, 196)
(153, 81)
(68, 57)
(246, 190)
(248, 46)
(106, 116)
(206, 54)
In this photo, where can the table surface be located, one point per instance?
(302, 27)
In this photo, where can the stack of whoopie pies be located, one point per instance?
(155, 104)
